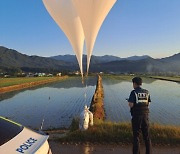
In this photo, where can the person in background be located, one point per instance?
(139, 101)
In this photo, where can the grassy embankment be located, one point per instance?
(119, 77)
(97, 103)
(129, 77)
(109, 132)
(167, 78)
(121, 133)
(12, 84)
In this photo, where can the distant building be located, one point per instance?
(49, 75)
(30, 75)
(1, 74)
(77, 73)
(112, 73)
(59, 74)
(41, 74)
(6, 76)
(22, 74)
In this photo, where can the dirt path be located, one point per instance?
(58, 148)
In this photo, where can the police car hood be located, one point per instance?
(27, 141)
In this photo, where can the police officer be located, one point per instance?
(139, 101)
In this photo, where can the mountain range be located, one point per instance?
(13, 60)
(97, 59)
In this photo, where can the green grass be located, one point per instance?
(5, 82)
(110, 132)
(119, 77)
(171, 78)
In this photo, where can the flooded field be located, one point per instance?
(165, 96)
(67, 99)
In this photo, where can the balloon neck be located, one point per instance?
(82, 80)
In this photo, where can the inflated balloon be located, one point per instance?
(92, 14)
(65, 15)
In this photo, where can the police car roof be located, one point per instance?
(8, 130)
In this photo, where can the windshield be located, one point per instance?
(8, 130)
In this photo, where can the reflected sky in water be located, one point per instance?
(67, 100)
(165, 96)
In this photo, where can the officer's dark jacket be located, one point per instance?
(141, 98)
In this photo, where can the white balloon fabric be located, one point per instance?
(92, 14)
(65, 15)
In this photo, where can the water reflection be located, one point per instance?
(88, 149)
(31, 105)
(113, 81)
(66, 84)
(67, 101)
(164, 108)
(74, 82)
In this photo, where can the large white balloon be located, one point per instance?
(65, 15)
(92, 14)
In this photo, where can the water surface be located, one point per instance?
(29, 107)
(67, 99)
(165, 97)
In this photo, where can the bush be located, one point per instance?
(74, 125)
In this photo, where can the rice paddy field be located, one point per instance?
(165, 97)
(5, 82)
(58, 103)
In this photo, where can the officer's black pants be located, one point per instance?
(141, 123)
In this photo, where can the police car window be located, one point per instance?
(8, 130)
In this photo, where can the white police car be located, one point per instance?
(16, 139)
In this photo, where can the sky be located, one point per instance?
(133, 27)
